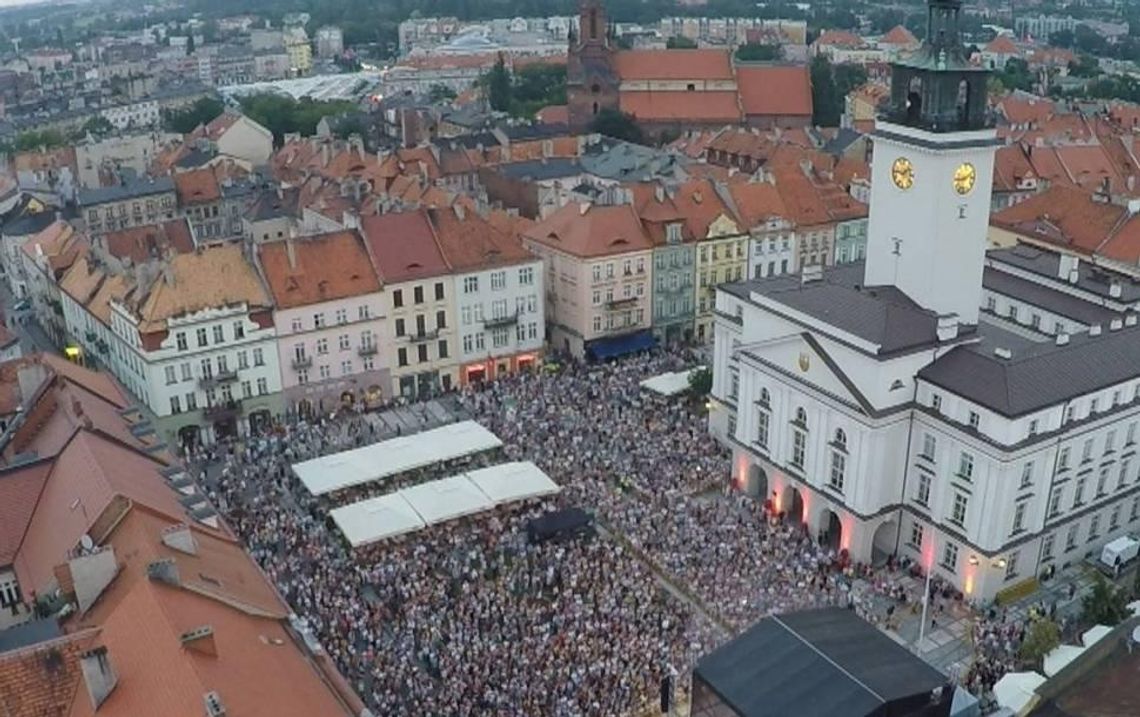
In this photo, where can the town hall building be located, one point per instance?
(973, 411)
(669, 91)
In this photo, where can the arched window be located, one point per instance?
(801, 417)
(914, 100)
(963, 103)
(840, 439)
(595, 88)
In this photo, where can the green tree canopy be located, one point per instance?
(613, 123)
(680, 42)
(185, 120)
(98, 127)
(826, 102)
(1106, 604)
(282, 115)
(499, 86)
(756, 52)
(441, 93)
(1042, 638)
(700, 381)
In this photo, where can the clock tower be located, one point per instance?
(932, 174)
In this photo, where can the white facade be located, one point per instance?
(501, 315)
(772, 249)
(139, 114)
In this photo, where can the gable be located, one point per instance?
(723, 226)
(801, 356)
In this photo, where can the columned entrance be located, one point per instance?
(757, 481)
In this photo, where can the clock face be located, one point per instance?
(902, 173)
(964, 177)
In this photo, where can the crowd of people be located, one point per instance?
(471, 618)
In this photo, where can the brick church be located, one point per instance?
(676, 90)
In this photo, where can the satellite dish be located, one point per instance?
(87, 543)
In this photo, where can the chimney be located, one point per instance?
(460, 211)
(91, 574)
(200, 640)
(291, 250)
(1062, 339)
(178, 537)
(947, 327)
(164, 571)
(1130, 320)
(98, 675)
(811, 273)
(1003, 353)
(1114, 289)
(214, 706)
(659, 193)
(1094, 330)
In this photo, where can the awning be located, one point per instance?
(602, 349)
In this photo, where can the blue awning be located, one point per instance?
(615, 346)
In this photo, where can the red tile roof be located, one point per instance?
(140, 244)
(471, 242)
(315, 269)
(1001, 45)
(839, 38)
(673, 65)
(776, 90)
(403, 246)
(680, 106)
(45, 678)
(590, 231)
(553, 114)
(1070, 218)
(900, 36)
(197, 186)
(20, 489)
(757, 202)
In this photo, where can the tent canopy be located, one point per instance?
(376, 519)
(1060, 657)
(447, 499)
(393, 457)
(1094, 634)
(1015, 689)
(670, 383)
(510, 482)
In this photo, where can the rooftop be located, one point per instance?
(140, 244)
(315, 269)
(196, 186)
(128, 190)
(403, 246)
(673, 65)
(589, 231)
(775, 90)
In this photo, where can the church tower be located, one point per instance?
(591, 82)
(932, 174)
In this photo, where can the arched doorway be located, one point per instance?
(883, 542)
(189, 437)
(757, 481)
(347, 399)
(260, 422)
(793, 505)
(830, 529)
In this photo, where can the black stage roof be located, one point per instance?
(815, 663)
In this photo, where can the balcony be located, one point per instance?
(217, 379)
(302, 362)
(422, 336)
(222, 411)
(367, 350)
(618, 304)
(512, 318)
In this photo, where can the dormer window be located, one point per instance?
(673, 233)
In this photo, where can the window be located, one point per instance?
(223, 365)
(801, 417)
(526, 276)
(765, 398)
(1101, 482)
(262, 387)
(422, 353)
(246, 389)
(498, 281)
(188, 371)
(922, 495)
(258, 358)
(468, 343)
(479, 343)
(1047, 547)
(1027, 475)
(322, 347)
(363, 312)
(733, 385)
(470, 284)
(398, 298)
(297, 326)
(966, 466)
(1011, 565)
(1063, 459)
(974, 418)
(324, 371)
(1068, 414)
(799, 447)
(239, 330)
(1122, 477)
(402, 357)
(929, 445)
(345, 367)
(202, 337)
(171, 375)
(1033, 427)
(441, 319)
(1086, 451)
(1019, 517)
(219, 335)
(1130, 438)
(1055, 501)
(936, 402)
(958, 511)
(1135, 512)
(1079, 494)
(442, 346)
(418, 294)
(343, 342)
(421, 325)
(838, 466)
(399, 327)
(1071, 538)
(1114, 518)
(916, 535)
(1109, 441)
(597, 272)
(439, 291)
(175, 404)
(191, 402)
(180, 340)
(950, 556)
(597, 323)
(1093, 405)
(1094, 527)
(499, 338)
(342, 316)
(207, 367)
(762, 421)
(319, 320)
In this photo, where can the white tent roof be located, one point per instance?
(508, 482)
(446, 499)
(1015, 689)
(669, 384)
(1094, 635)
(395, 456)
(1061, 656)
(1134, 606)
(376, 519)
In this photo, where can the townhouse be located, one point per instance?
(673, 297)
(772, 234)
(131, 203)
(722, 250)
(499, 298)
(330, 315)
(45, 258)
(598, 262)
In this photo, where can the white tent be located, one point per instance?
(669, 384)
(1134, 606)
(1060, 657)
(1015, 690)
(1094, 634)
(446, 499)
(393, 457)
(376, 519)
(509, 482)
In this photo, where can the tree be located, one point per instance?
(201, 112)
(1062, 38)
(1016, 75)
(700, 381)
(613, 123)
(680, 42)
(441, 93)
(848, 76)
(826, 103)
(1042, 638)
(1106, 604)
(499, 86)
(756, 52)
(33, 141)
(1084, 66)
(98, 127)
